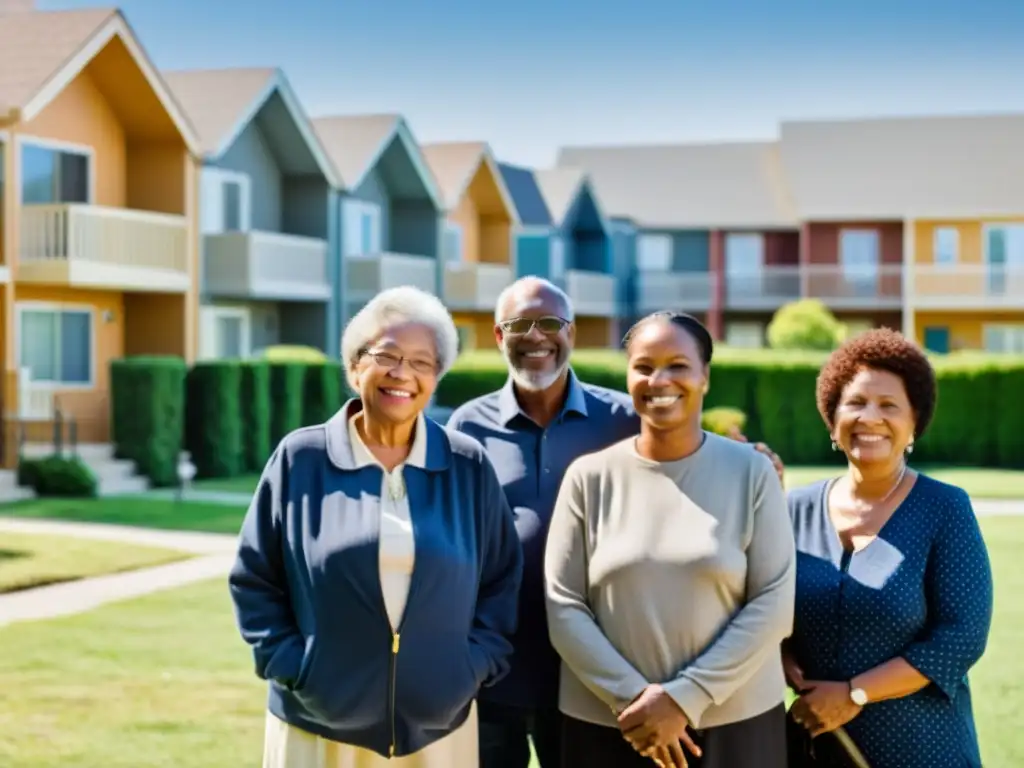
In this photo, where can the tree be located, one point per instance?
(805, 324)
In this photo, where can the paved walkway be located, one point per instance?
(214, 556)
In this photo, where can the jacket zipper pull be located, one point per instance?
(394, 643)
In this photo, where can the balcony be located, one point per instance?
(266, 266)
(684, 291)
(592, 293)
(470, 286)
(878, 287)
(766, 289)
(369, 274)
(90, 246)
(968, 286)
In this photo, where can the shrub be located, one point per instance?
(723, 420)
(66, 476)
(805, 324)
(321, 397)
(287, 382)
(285, 353)
(254, 398)
(148, 413)
(213, 427)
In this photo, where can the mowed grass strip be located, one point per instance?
(33, 560)
(165, 680)
(146, 513)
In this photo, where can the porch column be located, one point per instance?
(907, 280)
(716, 269)
(805, 260)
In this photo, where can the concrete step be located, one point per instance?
(17, 493)
(122, 486)
(88, 452)
(113, 469)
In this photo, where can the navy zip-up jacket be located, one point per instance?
(307, 594)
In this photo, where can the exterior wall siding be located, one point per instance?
(691, 251)
(971, 235)
(250, 154)
(532, 255)
(781, 249)
(966, 329)
(824, 241)
(467, 217)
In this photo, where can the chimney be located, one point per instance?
(10, 7)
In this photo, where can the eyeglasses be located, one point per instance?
(520, 326)
(390, 361)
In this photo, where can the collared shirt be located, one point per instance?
(530, 461)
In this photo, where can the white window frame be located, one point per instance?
(938, 251)
(232, 313)
(58, 146)
(745, 328)
(1003, 331)
(556, 266)
(56, 307)
(654, 253)
(455, 231)
(738, 240)
(223, 177)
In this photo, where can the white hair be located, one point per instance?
(533, 281)
(404, 304)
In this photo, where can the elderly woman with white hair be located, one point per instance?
(378, 567)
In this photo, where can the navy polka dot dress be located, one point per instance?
(921, 590)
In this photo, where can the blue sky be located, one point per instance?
(531, 75)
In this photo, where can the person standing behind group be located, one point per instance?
(533, 428)
(378, 566)
(670, 572)
(894, 584)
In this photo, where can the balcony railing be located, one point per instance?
(592, 293)
(766, 289)
(475, 286)
(845, 287)
(369, 274)
(99, 247)
(266, 265)
(968, 286)
(686, 291)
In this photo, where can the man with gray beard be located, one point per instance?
(532, 429)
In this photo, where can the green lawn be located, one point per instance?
(29, 560)
(147, 513)
(979, 483)
(165, 681)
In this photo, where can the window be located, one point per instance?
(453, 243)
(55, 345)
(946, 246)
(232, 202)
(50, 176)
(749, 335)
(556, 266)
(744, 254)
(467, 337)
(1004, 251)
(362, 228)
(1004, 339)
(654, 253)
(858, 255)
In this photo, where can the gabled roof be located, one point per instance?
(529, 202)
(455, 163)
(690, 186)
(222, 102)
(560, 187)
(934, 166)
(354, 144)
(41, 52)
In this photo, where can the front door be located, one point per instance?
(936, 339)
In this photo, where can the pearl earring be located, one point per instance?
(910, 448)
(835, 446)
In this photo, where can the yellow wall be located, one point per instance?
(594, 332)
(480, 326)
(972, 250)
(468, 219)
(966, 329)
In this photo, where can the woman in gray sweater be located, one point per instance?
(670, 578)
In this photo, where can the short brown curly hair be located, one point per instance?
(881, 349)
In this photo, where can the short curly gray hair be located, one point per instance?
(404, 304)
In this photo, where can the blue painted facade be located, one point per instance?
(291, 189)
(399, 185)
(623, 249)
(586, 235)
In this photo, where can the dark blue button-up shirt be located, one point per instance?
(530, 461)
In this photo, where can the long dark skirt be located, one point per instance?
(759, 742)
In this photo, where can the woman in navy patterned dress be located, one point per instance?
(894, 586)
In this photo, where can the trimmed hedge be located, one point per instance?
(287, 382)
(148, 414)
(978, 422)
(213, 413)
(321, 395)
(255, 414)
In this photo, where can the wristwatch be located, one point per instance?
(858, 696)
